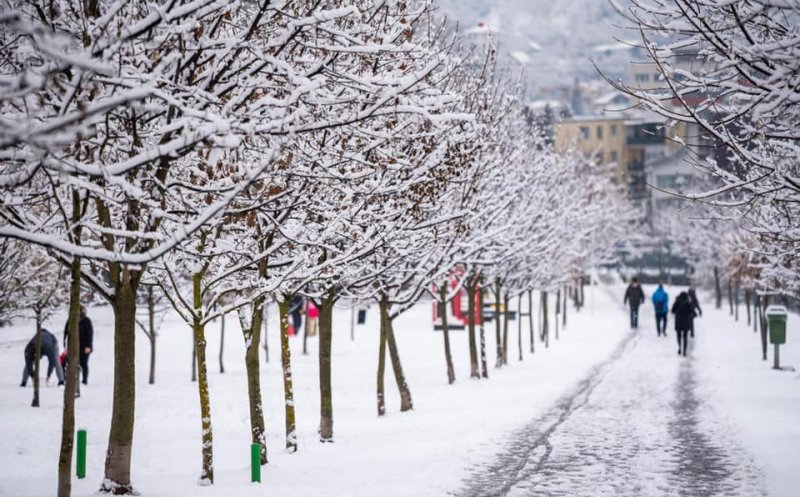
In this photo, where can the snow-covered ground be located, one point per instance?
(452, 432)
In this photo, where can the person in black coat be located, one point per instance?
(695, 307)
(634, 297)
(684, 315)
(49, 349)
(296, 312)
(85, 338)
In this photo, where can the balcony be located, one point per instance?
(646, 134)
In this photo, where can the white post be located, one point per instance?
(353, 321)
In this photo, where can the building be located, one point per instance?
(630, 146)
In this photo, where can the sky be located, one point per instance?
(554, 41)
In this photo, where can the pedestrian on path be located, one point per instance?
(634, 297)
(682, 308)
(49, 349)
(296, 311)
(661, 304)
(695, 307)
(85, 340)
(312, 319)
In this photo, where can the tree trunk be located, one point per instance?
(717, 289)
(325, 389)
(484, 369)
(207, 438)
(251, 332)
(383, 307)
(506, 300)
(497, 324)
(286, 364)
(37, 357)
(736, 302)
(764, 325)
(266, 328)
(207, 471)
(558, 310)
(530, 321)
(747, 304)
(448, 357)
(519, 325)
(545, 324)
(472, 318)
(221, 343)
(120, 439)
(583, 294)
(402, 385)
(730, 295)
(71, 381)
(755, 311)
(564, 314)
(151, 324)
(305, 332)
(194, 361)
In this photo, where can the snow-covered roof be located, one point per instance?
(481, 28)
(521, 57)
(610, 98)
(614, 47)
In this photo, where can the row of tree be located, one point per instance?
(236, 152)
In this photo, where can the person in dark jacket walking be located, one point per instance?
(85, 339)
(634, 297)
(684, 315)
(695, 307)
(49, 349)
(296, 312)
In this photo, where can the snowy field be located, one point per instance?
(453, 431)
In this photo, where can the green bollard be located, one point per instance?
(81, 462)
(255, 463)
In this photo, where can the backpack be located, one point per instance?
(659, 299)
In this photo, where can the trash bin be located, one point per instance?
(776, 316)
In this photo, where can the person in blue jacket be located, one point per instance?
(661, 305)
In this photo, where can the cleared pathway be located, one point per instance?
(636, 426)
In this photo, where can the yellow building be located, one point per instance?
(602, 139)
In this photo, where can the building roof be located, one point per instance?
(592, 118)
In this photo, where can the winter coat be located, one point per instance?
(661, 301)
(634, 296)
(313, 312)
(695, 303)
(296, 304)
(49, 345)
(85, 333)
(684, 314)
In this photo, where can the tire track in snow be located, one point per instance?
(646, 432)
(530, 449)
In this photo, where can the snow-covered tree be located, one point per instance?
(731, 69)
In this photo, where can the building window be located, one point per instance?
(613, 157)
(642, 77)
(584, 132)
(613, 130)
(667, 181)
(599, 132)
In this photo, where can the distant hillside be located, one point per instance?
(553, 39)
